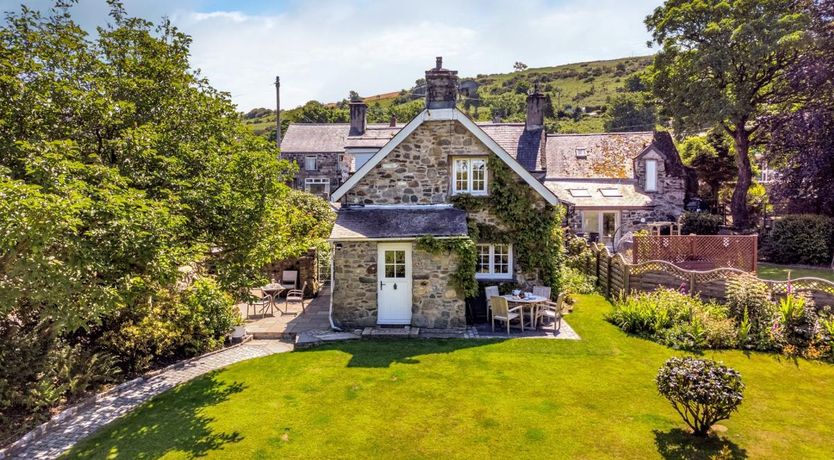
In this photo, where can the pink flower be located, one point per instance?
(682, 288)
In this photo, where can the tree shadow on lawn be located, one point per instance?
(384, 352)
(169, 422)
(678, 444)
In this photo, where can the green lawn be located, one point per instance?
(593, 398)
(780, 272)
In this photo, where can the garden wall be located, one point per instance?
(616, 277)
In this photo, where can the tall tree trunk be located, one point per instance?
(738, 206)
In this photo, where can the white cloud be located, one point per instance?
(323, 49)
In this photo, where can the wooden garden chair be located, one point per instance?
(502, 312)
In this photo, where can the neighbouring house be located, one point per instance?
(395, 184)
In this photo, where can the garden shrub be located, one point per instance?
(675, 319)
(700, 223)
(750, 306)
(701, 391)
(579, 254)
(797, 319)
(800, 239)
(576, 282)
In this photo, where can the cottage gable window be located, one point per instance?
(469, 175)
(651, 176)
(494, 261)
(310, 163)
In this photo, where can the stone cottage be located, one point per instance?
(393, 184)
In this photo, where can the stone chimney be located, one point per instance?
(441, 87)
(358, 117)
(536, 103)
(393, 122)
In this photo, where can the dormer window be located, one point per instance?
(469, 176)
(581, 153)
(651, 176)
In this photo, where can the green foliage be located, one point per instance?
(798, 320)
(712, 158)
(575, 282)
(750, 305)
(700, 223)
(702, 391)
(120, 164)
(675, 319)
(464, 277)
(630, 112)
(800, 239)
(721, 63)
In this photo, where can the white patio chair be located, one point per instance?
(490, 292)
(502, 312)
(257, 300)
(296, 295)
(540, 291)
(553, 311)
(289, 279)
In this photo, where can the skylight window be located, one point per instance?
(579, 192)
(581, 153)
(610, 192)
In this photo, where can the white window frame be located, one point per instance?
(491, 274)
(469, 162)
(317, 181)
(651, 177)
(581, 152)
(307, 167)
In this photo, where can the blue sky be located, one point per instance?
(324, 48)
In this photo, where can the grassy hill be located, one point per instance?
(580, 94)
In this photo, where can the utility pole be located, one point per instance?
(277, 111)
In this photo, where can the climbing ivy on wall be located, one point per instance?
(534, 230)
(464, 278)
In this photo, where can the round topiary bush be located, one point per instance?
(702, 391)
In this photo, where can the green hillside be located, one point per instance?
(580, 95)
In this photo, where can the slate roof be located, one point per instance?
(333, 137)
(357, 223)
(608, 155)
(527, 147)
(630, 196)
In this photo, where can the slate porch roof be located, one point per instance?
(359, 223)
(627, 188)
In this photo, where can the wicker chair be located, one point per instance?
(502, 312)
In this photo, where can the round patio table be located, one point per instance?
(529, 301)
(272, 290)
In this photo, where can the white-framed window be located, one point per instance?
(469, 175)
(317, 186)
(310, 163)
(602, 225)
(494, 261)
(651, 175)
(581, 152)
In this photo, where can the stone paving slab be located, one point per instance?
(109, 406)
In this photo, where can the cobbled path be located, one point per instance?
(111, 406)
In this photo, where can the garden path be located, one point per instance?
(77, 423)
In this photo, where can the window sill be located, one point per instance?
(492, 276)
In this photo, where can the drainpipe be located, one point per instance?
(332, 285)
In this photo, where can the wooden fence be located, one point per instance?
(698, 252)
(615, 277)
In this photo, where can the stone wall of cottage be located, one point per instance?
(307, 267)
(435, 302)
(418, 170)
(669, 199)
(333, 166)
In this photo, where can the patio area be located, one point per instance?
(280, 325)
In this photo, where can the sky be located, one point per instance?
(323, 49)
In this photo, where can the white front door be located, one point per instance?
(394, 286)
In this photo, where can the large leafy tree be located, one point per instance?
(721, 63)
(120, 167)
(802, 144)
(630, 112)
